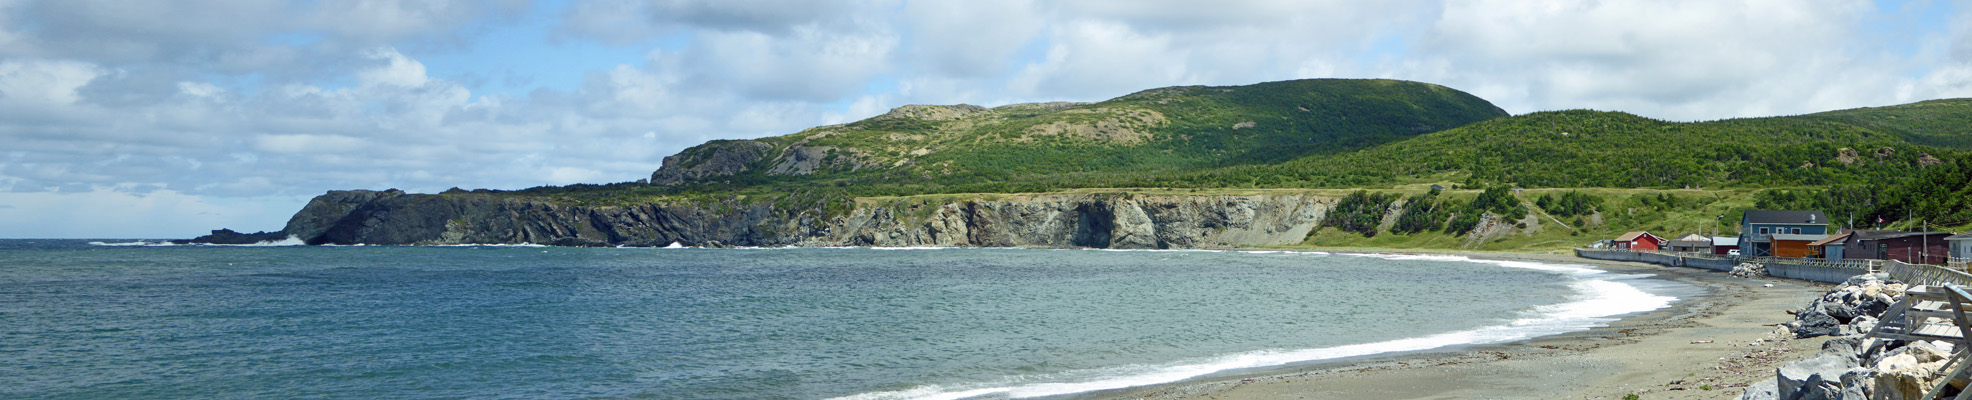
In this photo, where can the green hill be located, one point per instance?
(1613, 149)
(1160, 131)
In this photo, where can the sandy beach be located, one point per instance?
(1707, 346)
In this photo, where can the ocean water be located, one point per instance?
(120, 320)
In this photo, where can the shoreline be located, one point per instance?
(1722, 338)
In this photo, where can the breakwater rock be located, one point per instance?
(1853, 365)
(1128, 221)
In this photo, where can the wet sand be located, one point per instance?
(1708, 346)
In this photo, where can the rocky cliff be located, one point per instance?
(1133, 221)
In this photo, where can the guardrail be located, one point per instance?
(1922, 274)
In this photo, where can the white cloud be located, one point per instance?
(809, 64)
(1093, 60)
(44, 81)
(397, 70)
(1686, 59)
(381, 20)
(969, 38)
(199, 89)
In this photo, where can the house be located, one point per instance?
(1639, 241)
(1725, 246)
(1692, 243)
(1831, 247)
(1793, 245)
(1961, 245)
(1910, 247)
(1758, 227)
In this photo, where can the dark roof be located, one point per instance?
(1785, 217)
(1873, 234)
(1888, 234)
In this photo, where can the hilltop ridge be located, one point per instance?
(1167, 129)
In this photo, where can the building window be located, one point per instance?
(1763, 231)
(1797, 231)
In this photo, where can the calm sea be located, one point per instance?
(118, 320)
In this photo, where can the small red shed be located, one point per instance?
(1639, 241)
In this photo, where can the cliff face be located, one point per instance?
(1048, 220)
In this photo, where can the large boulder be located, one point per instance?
(1764, 390)
(1814, 323)
(1841, 311)
(1901, 376)
(1814, 378)
(1857, 384)
(1864, 324)
(1923, 352)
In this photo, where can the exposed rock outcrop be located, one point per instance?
(1046, 220)
(228, 236)
(714, 158)
(933, 112)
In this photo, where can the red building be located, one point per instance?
(1639, 241)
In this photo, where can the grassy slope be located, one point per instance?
(1159, 131)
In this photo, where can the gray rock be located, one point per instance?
(1844, 347)
(1874, 306)
(1923, 351)
(1864, 324)
(1856, 384)
(1816, 323)
(1874, 349)
(1842, 312)
(712, 159)
(1819, 376)
(1865, 280)
(1763, 390)
(1049, 220)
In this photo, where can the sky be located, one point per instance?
(167, 119)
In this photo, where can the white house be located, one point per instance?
(1961, 246)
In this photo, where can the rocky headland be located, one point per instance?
(1102, 220)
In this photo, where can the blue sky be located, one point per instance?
(165, 119)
